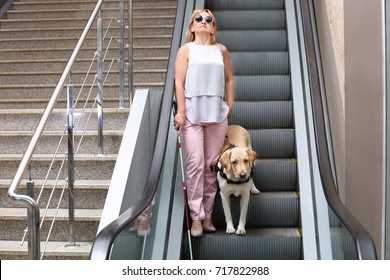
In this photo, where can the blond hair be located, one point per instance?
(190, 36)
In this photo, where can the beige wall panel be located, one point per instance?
(364, 114)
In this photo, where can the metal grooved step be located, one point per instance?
(255, 33)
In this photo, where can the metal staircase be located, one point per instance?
(36, 40)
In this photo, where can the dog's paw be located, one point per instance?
(254, 190)
(230, 230)
(241, 231)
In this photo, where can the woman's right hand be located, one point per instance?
(179, 120)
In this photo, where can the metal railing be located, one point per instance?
(102, 246)
(34, 216)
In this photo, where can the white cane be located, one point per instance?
(183, 185)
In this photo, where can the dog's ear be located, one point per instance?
(252, 156)
(225, 160)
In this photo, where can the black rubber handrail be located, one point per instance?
(102, 245)
(4, 5)
(364, 245)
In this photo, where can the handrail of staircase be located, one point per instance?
(31, 204)
(364, 245)
(102, 245)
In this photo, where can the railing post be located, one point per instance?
(30, 241)
(121, 55)
(130, 50)
(72, 239)
(100, 82)
(33, 222)
(34, 233)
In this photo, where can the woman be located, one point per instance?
(204, 91)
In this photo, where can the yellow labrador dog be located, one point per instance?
(235, 174)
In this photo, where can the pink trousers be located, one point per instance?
(202, 144)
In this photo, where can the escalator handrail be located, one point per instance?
(364, 245)
(102, 245)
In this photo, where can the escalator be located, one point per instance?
(288, 220)
(255, 33)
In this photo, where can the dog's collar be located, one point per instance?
(223, 175)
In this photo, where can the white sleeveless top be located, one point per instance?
(205, 85)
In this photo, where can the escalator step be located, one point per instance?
(257, 244)
(254, 40)
(275, 175)
(255, 33)
(262, 88)
(260, 63)
(263, 115)
(268, 209)
(251, 20)
(273, 143)
(245, 5)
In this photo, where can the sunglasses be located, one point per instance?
(208, 19)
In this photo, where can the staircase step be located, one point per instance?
(13, 221)
(13, 250)
(73, 32)
(139, 22)
(114, 119)
(44, 92)
(29, 91)
(50, 77)
(53, 5)
(37, 38)
(88, 194)
(86, 12)
(12, 142)
(87, 167)
(86, 53)
(141, 63)
(152, 49)
(47, 5)
(61, 103)
(113, 3)
(144, 46)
